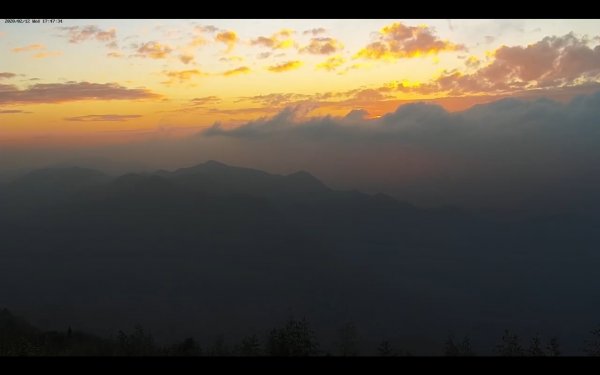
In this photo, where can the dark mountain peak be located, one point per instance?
(390, 201)
(128, 178)
(12, 325)
(215, 177)
(304, 181)
(137, 178)
(214, 163)
(162, 172)
(383, 197)
(216, 169)
(142, 183)
(301, 174)
(5, 314)
(67, 178)
(208, 166)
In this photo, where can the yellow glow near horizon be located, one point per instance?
(91, 79)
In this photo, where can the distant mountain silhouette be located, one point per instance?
(214, 177)
(221, 246)
(58, 179)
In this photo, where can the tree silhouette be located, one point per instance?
(592, 346)
(385, 349)
(553, 347)
(451, 349)
(294, 339)
(510, 345)
(219, 348)
(465, 347)
(348, 340)
(250, 346)
(454, 349)
(188, 347)
(138, 343)
(535, 348)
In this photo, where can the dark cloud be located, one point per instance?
(198, 104)
(263, 41)
(93, 118)
(6, 88)
(186, 58)
(7, 75)
(71, 91)
(153, 50)
(322, 46)
(11, 111)
(205, 100)
(182, 75)
(279, 40)
(315, 31)
(242, 111)
(206, 28)
(276, 99)
(78, 34)
(231, 59)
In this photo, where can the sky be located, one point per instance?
(106, 81)
(472, 113)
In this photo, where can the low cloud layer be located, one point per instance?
(510, 154)
(93, 118)
(12, 111)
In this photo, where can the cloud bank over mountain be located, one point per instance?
(506, 154)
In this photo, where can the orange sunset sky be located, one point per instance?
(94, 81)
